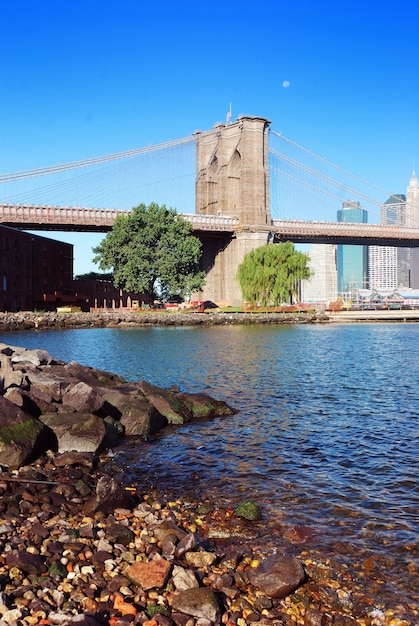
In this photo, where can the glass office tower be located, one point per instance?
(352, 260)
(389, 266)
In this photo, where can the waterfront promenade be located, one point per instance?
(384, 315)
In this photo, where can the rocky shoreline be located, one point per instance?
(114, 318)
(79, 545)
(28, 320)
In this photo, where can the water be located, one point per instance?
(326, 437)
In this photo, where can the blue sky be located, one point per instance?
(83, 78)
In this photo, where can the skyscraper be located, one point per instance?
(352, 261)
(412, 219)
(321, 287)
(389, 266)
(412, 202)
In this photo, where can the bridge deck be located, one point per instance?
(53, 218)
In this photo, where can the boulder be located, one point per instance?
(82, 397)
(202, 405)
(81, 409)
(166, 403)
(32, 405)
(133, 410)
(10, 377)
(46, 386)
(82, 432)
(20, 435)
(35, 357)
(88, 375)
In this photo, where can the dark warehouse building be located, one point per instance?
(36, 273)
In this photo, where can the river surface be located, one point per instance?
(326, 439)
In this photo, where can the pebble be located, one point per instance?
(80, 568)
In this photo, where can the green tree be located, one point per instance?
(270, 274)
(152, 250)
(94, 276)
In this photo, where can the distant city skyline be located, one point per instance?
(368, 267)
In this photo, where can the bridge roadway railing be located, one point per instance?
(36, 217)
(301, 231)
(223, 223)
(47, 217)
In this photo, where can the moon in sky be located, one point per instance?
(286, 83)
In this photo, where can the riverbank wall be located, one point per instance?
(49, 320)
(29, 320)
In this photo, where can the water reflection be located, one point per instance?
(326, 437)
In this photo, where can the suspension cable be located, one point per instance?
(324, 178)
(330, 164)
(93, 161)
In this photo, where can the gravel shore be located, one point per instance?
(65, 561)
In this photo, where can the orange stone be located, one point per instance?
(123, 607)
(150, 575)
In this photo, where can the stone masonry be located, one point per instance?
(233, 180)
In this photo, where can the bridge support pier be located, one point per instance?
(220, 261)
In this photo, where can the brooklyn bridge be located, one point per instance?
(239, 184)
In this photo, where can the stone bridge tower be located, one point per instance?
(232, 180)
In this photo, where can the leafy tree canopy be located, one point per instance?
(152, 250)
(94, 276)
(269, 275)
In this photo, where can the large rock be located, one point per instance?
(8, 376)
(202, 405)
(277, 576)
(34, 357)
(82, 397)
(166, 403)
(30, 404)
(20, 435)
(88, 375)
(82, 432)
(47, 387)
(135, 413)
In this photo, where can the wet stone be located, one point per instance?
(200, 603)
(150, 574)
(277, 576)
(117, 533)
(30, 563)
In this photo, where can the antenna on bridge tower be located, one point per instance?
(228, 116)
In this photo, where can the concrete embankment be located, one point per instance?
(52, 320)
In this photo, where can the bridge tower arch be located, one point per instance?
(232, 179)
(232, 173)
